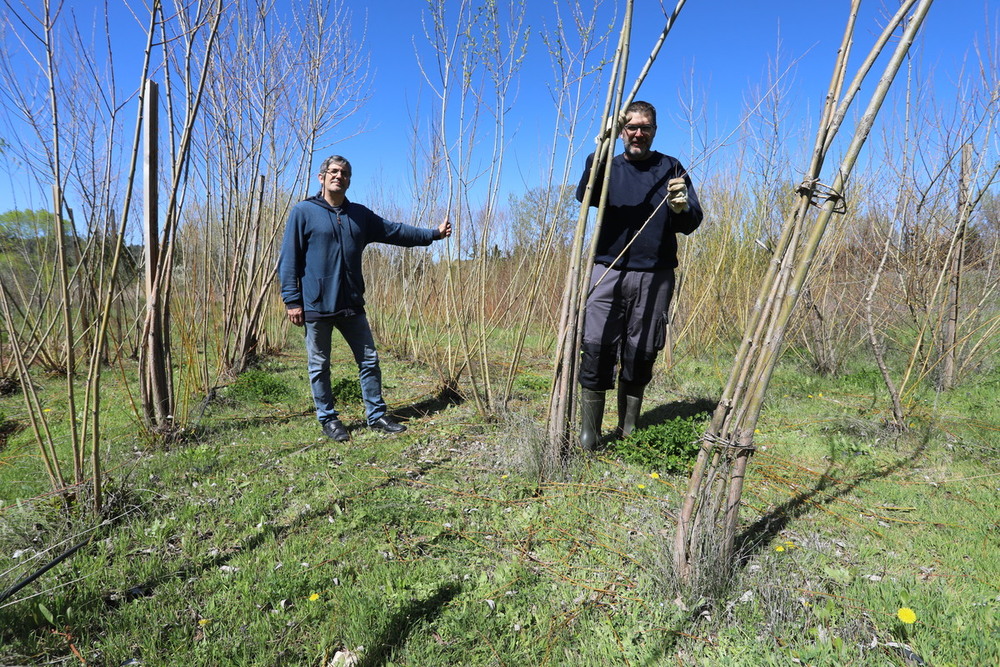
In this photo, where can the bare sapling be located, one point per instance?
(478, 54)
(198, 33)
(90, 283)
(929, 264)
(262, 123)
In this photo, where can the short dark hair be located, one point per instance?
(642, 107)
(335, 159)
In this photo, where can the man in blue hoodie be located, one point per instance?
(650, 200)
(323, 288)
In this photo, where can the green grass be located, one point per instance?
(254, 541)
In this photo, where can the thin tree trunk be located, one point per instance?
(950, 342)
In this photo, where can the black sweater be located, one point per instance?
(637, 188)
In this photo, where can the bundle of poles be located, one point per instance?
(708, 519)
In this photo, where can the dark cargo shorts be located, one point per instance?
(625, 326)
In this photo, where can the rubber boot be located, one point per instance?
(591, 415)
(629, 405)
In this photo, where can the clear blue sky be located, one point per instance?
(723, 48)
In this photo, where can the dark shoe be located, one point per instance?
(386, 425)
(334, 429)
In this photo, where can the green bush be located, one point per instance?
(533, 382)
(670, 446)
(346, 389)
(258, 385)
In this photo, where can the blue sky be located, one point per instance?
(722, 49)
(719, 52)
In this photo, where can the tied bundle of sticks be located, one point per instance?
(709, 516)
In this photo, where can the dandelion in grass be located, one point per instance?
(789, 544)
(204, 621)
(654, 475)
(641, 486)
(906, 615)
(314, 597)
(779, 548)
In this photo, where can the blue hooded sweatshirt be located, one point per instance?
(319, 267)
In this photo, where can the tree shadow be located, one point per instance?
(674, 409)
(267, 535)
(753, 539)
(404, 621)
(828, 489)
(445, 397)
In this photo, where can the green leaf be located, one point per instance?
(46, 613)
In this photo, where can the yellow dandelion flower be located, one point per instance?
(809, 395)
(789, 544)
(504, 476)
(906, 615)
(204, 621)
(821, 394)
(756, 431)
(47, 410)
(779, 548)
(314, 597)
(642, 486)
(654, 475)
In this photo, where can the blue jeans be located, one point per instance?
(358, 334)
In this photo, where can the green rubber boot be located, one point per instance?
(591, 415)
(629, 405)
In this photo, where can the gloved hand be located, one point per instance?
(677, 195)
(599, 139)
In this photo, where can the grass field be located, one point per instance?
(251, 540)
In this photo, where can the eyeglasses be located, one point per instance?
(645, 129)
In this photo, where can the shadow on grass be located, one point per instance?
(766, 528)
(19, 624)
(423, 408)
(403, 622)
(674, 409)
(827, 489)
(264, 536)
(429, 406)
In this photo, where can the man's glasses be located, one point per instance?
(645, 129)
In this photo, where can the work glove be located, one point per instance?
(599, 139)
(677, 195)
